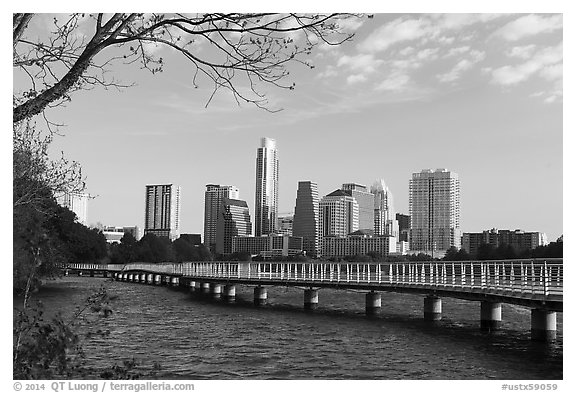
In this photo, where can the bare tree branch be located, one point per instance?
(260, 45)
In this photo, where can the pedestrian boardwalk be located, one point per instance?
(537, 284)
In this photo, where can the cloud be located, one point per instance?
(356, 78)
(395, 82)
(529, 25)
(428, 54)
(553, 72)
(446, 40)
(457, 21)
(462, 66)
(350, 24)
(457, 51)
(522, 52)
(329, 72)
(399, 30)
(545, 62)
(407, 51)
(365, 63)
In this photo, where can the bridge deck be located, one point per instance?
(530, 283)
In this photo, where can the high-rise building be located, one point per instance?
(233, 220)
(338, 214)
(266, 203)
(162, 216)
(307, 217)
(212, 204)
(384, 219)
(77, 202)
(434, 203)
(365, 200)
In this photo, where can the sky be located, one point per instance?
(478, 94)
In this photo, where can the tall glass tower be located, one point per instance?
(307, 216)
(266, 203)
(434, 211)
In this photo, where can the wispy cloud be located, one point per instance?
(522, 52)
(395, 82)
(545, 62)
(427, 52)
(529, 25)
(399, 30)
(463, 65)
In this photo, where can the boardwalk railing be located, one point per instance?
(508, 277)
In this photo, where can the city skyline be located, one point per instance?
(380, 107)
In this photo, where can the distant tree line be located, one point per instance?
(507, 251)
(153, 249)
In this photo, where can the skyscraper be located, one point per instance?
(307, 216)
(266, 203)
(233, 220)
(76, 202)
(365, 201)
(162, 216)
(384, 218)
(338, 214)
(434, 211)
(212, 204)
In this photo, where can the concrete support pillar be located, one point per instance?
(230, 293)
(373, 303)
(198, 287)
(79, 273)
(192, 286)
(130, 277)
(206, 288)
(543, 325)
(432, 308)
(490, 316)
(260, 296)
(136, 278)
(143, 278)
(216, 291)
(175, 281)
(125, 277)
(66, 272)
(310, 299)
(150, 279)
(157, 279)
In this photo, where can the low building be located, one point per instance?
(518, 239)
(357, 243)
(285, 224)
(115, 234)
(268, 246)
(402, 247)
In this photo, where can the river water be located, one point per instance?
(193, 338)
